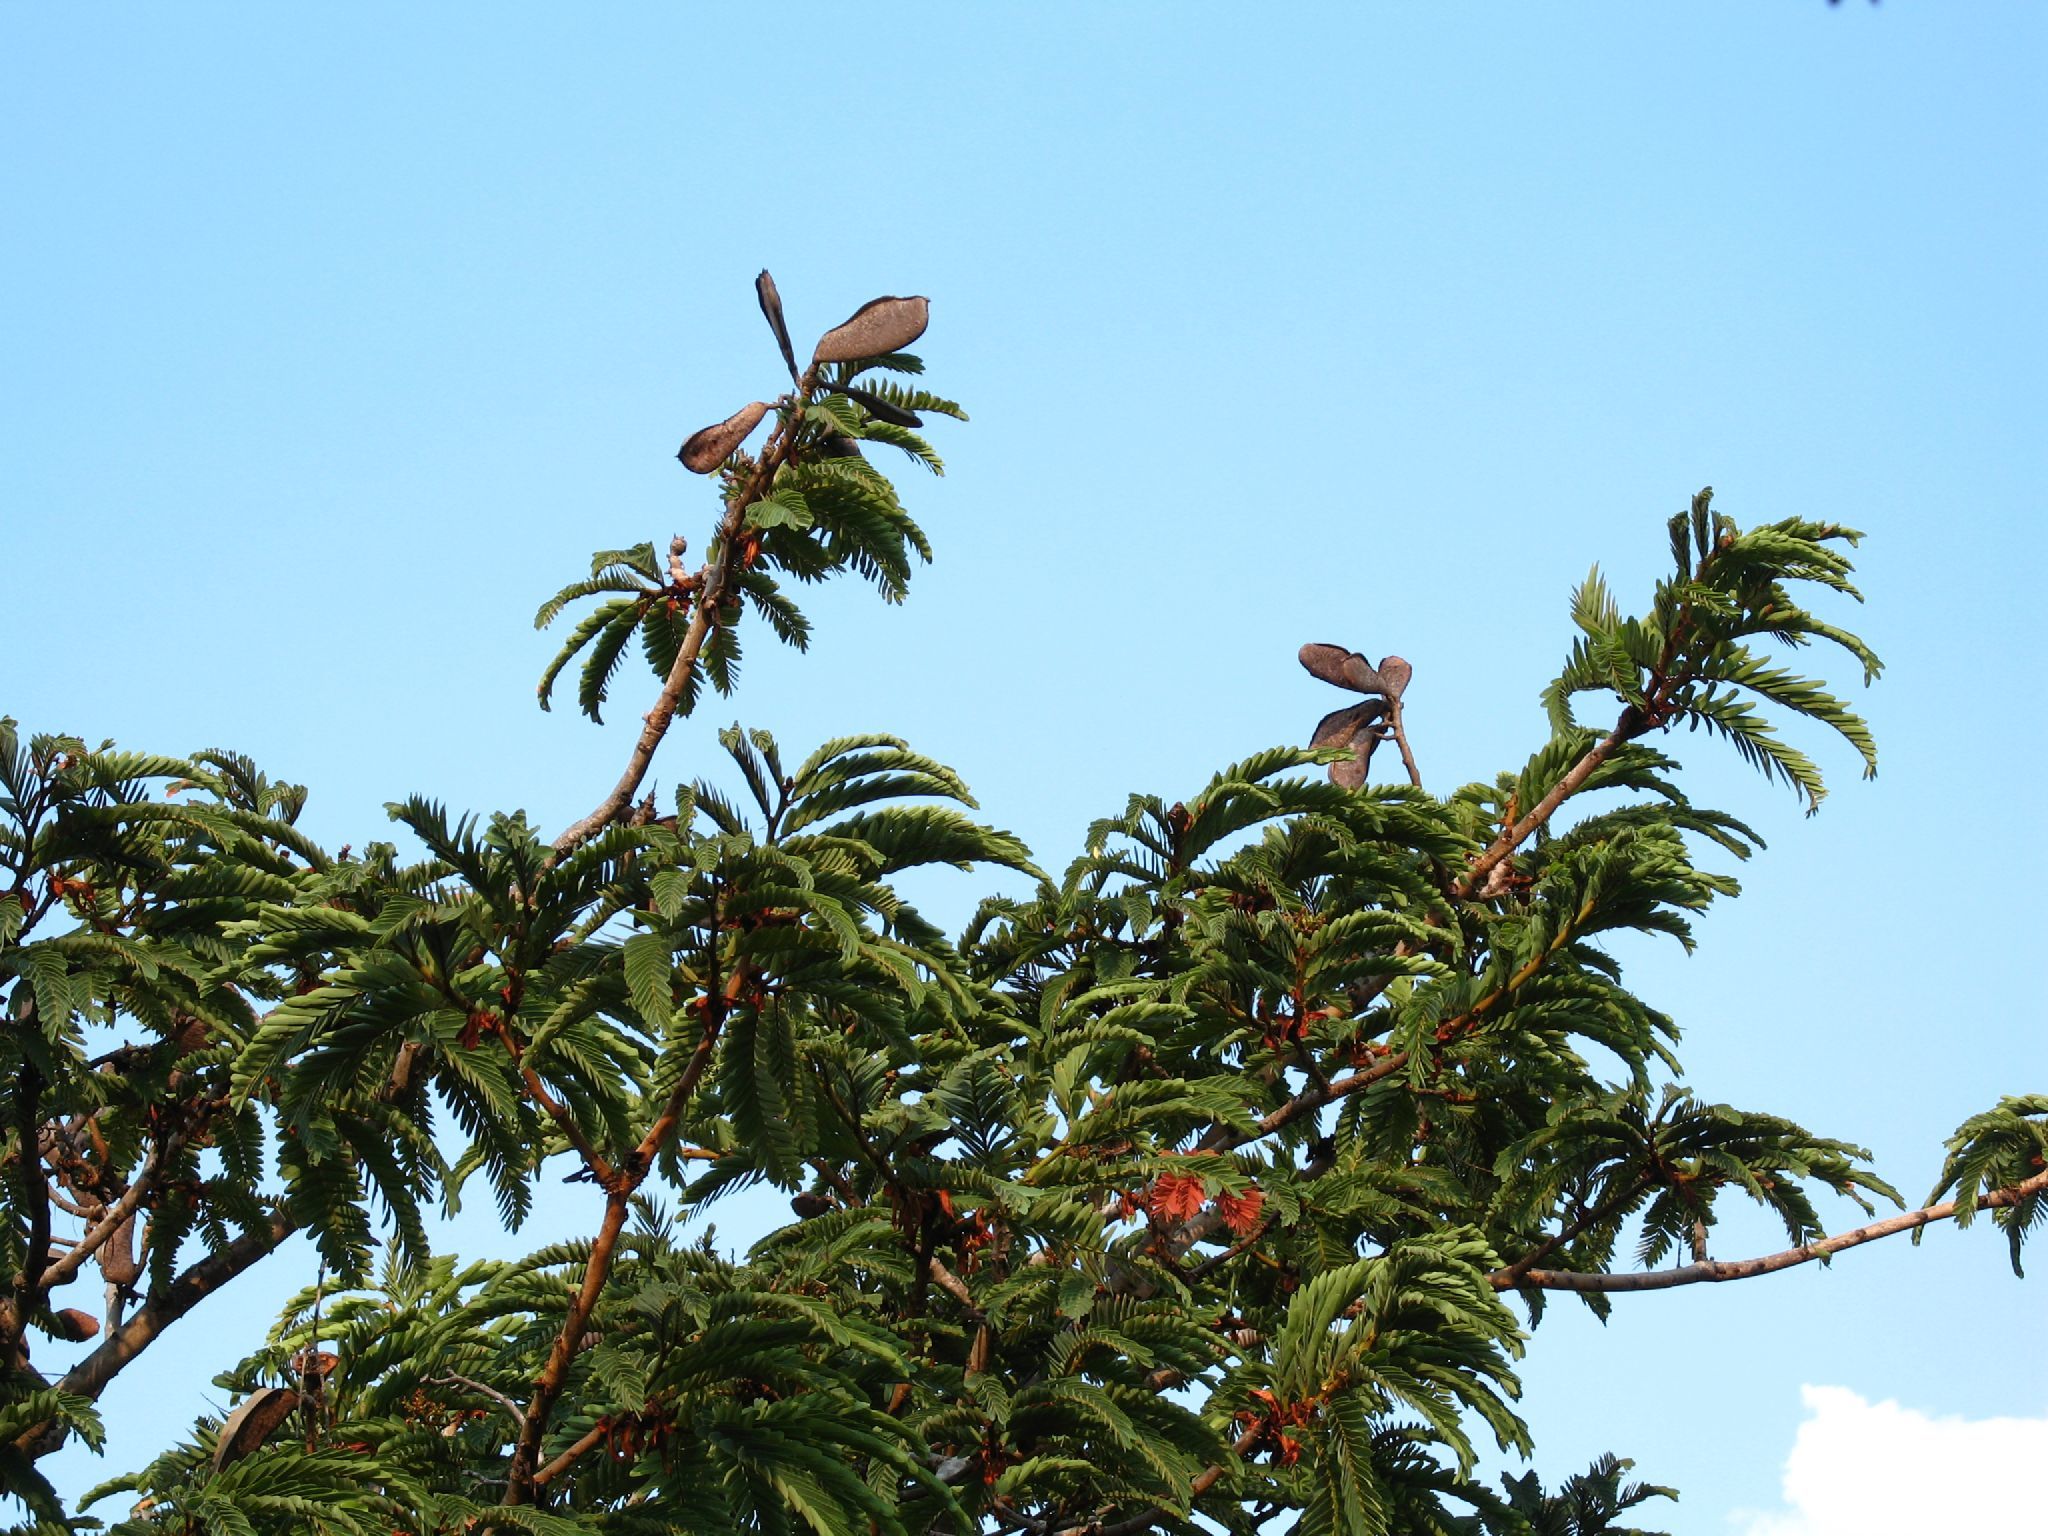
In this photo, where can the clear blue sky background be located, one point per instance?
(334, 339)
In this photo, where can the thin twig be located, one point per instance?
(116, 1215)
(1400, 736)
(1743, 1269)
(451, 1379)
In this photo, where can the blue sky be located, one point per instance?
(335, 340)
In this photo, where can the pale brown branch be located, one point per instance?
(1714, 1270)
(955, 1287)
(1543, 1250)
(451, 1379)
(1307, 1102)
(554, 1375)
(1400, 736)
(718, 578)
(562, 1463)
(679, 1096)
(1511, 837)
(600, 1169)
(525, 1470)
(1207, 1479)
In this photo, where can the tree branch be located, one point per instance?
(450, 1379)
(89, 1378)
(1242, 1446)
(1400, 736)
(1626, 729)
(1714, 1270)
(116, 1215)
(590, 1441)
(1607, 1208)
(717, 579)
(525, 1470)
(554, 1375)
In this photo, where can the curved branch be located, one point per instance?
(1714, 1270)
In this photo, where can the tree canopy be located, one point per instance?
(1219, 1180)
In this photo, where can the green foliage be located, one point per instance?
(1219, 1178)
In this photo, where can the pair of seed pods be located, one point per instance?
(877, 328)
(1356, 726)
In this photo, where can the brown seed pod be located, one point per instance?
(116, 1256)
(809, 1206)
(879, 326)
(1353, 727)
(1341, 727)
(1346, 669)
(1350, 774)
(1394, 674)
(74, 1326)
(877, 407)
(708, 449)
(771, 307)
(253, 1423)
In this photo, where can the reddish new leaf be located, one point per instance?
(1175, 1197)
(1240, 1213)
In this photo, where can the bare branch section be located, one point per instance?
(1713, 1270)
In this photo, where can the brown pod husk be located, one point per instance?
(877, 407)
(1350, 774)
(1394, 674)
(317, 1363)
(879, 326)
(771, 308)
(1340, 727)
(809, 1207)
(1353, 727)
(706, 450)
(1346, 669)
(253, 1423)
(116, 1256)
(74, 1326)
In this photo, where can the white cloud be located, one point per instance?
(1859, 1468)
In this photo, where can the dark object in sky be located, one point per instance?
(706, 450)
(771, 306)
(877, 328)
(877, 407)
